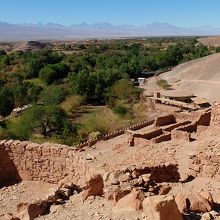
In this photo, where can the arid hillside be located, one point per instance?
(200, 77)
(23, 46)
(210, 41)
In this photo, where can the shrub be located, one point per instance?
(71, 103)
(53, 95)
(122, 90)
(120, 109)
(217, 49)
(164, 84)
(34, 68)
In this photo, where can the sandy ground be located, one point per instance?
(210, 41)
(200, 77)
(22, 192)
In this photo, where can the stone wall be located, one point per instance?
(165, 120)
(46, 162)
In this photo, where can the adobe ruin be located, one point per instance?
(145, 155)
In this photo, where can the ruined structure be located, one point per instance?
(140, 157)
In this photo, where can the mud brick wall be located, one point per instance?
(180, 135)
(189, 128)
(188, 116)
(163, 137)
(204, 119)
(206, 163)
(149, 135)
(177, 125)
(165, 120)
(47, 162)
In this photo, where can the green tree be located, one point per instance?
(2, 52)
(41, 119)
(83, 83)
(34, 68)
(6, 101)
(53, 95)
(53, 72)
(26, 93)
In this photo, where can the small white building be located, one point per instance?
(141, 81)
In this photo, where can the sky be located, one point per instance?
(184, 13)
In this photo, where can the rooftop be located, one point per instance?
(176, 93)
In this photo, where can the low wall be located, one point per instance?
(115, 134)
(180, 135)
(189, 128)
(46, 162)
(149, 135)
(162, 137)
(177, 125)
(165, 120)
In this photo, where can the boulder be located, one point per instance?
(124, 177)
(208, 196)
(64, 192)
(130, 202)
(27, 211)
(94, 187)
(146, 178)
(117, 192)
(161, 208)
(181, 202)
(164, 189)
(8, 216)
(198, 203)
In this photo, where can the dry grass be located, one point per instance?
(72, 103)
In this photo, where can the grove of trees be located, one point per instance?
(99, 73)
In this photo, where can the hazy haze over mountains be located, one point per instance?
(51, 31)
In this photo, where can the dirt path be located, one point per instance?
(183, 157)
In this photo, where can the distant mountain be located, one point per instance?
(51, 31)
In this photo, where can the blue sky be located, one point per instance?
(185, 13)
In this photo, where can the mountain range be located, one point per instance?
(51, 31)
